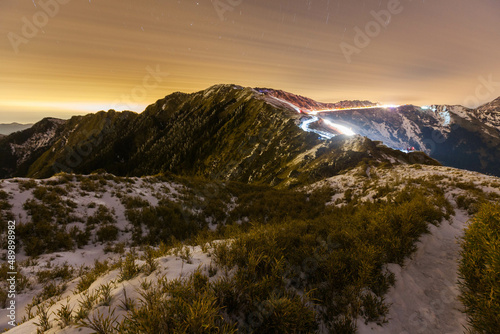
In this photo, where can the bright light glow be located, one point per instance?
(90, 107)
(305, 126)
(340, 128)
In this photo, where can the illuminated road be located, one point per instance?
(314, 117)
(305, 126)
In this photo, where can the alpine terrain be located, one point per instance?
(253, 210)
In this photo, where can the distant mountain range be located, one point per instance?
(226, 132)
(7, 129)
(229, 132)
(453, 135)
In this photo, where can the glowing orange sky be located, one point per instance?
(92, 54)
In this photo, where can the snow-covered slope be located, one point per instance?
(452, 134)
(489, 114)
(424, 298)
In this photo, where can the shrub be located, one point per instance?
(88, 278)
(64, 316)
(127, 304)
(163, 222)
(128, 268)
(64, 272)
(86, 184)
(27, 184)
(105, 293)
(480, 270)
(3, 195)
(81, 237)
(43, 319)
(22, 282)
(86, 304)
(151, 264)
(102, 216)
(178, 306)
(134, 202)
(107, 233)
(5, 208)
(100, 323)
(51, 290)
(468, 203)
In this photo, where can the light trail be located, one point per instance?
(306, 124)
(340, 128)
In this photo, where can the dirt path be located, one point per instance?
(424, 299)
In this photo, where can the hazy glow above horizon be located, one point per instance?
(98, 55)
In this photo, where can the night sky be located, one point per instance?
(91, 55)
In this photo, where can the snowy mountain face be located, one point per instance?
(310, 104)
(454, 135)
(489, 114)
(19, 149)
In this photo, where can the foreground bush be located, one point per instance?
(337, 259)
(480, 270)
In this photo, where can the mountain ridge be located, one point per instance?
(230, 132)
(224, 132)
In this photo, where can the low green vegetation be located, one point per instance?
(287, 262)
(63, 272)
(5, 215)
(337, 259)
(179, 306)
(50, 213)
(89, 277)
(280, 274)
(480, 270)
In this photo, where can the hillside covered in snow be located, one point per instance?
(371, 250)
